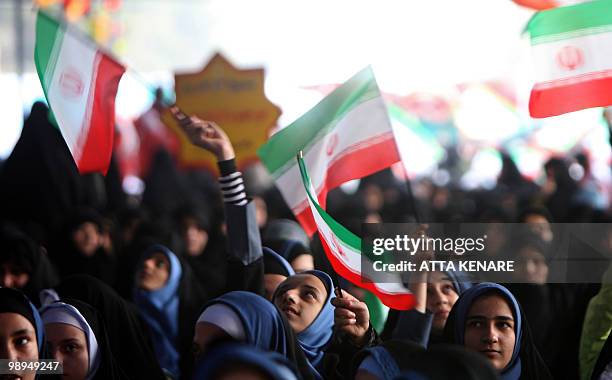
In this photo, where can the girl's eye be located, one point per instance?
(71, 347)
(474, 324)
(159, 263)
(22, 341)
(448, 289)
(311, 295)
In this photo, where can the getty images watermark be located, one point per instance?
(500, 252)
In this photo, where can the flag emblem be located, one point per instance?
(570, 58)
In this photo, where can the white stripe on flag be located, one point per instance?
(363, 126)
(593, 54)
(69, 87)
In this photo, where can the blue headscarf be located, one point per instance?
(461, 281)
(513, 370)
(276, 260)
(276, 366)
(315, 338)
(262, 322)
(160, 309)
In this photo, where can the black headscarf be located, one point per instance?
(27, 256)
(70, 260)
(127, 334)
(39, 181)
(449, 362)
(14, 301)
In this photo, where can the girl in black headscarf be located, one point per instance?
(82, 250)
(21, 329)
(127, 333)
(24, 264)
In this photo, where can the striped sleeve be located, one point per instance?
(232, 184)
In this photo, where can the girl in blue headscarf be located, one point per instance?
(241, 360)
(487, 319)
(305, 299)
(167, 298)
(248, 318)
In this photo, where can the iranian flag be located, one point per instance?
(343, 249)
(346, 136)
(80, 84)
(572, 52)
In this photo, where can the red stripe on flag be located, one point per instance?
(356, 164)
(553, 101)
(362, 162)
(401, 301)
(98, 147)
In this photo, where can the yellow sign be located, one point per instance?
(232, 98)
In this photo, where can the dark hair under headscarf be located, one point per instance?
(14, 301)
(526, 362)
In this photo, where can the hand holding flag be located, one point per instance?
(351, 317)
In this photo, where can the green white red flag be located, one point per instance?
(346, 136)
(80, 83)
(572, 52)
(343, 249)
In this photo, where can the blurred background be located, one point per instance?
(456, 74)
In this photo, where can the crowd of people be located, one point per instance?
(201, 279)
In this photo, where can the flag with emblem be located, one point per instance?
(343, 249)
(346, 136)
(572, 53)
(80, 84)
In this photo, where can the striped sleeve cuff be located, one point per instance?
(232, 185)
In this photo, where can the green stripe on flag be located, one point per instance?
(571, 21)
(48, 37)
(281, 149)
(346, 236)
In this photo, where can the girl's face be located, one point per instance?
(532, 267)
(489, 330)
(301, 297)
(68, 345)
(441, 296)
(18, 340)
(86, 238)
(154, 272)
